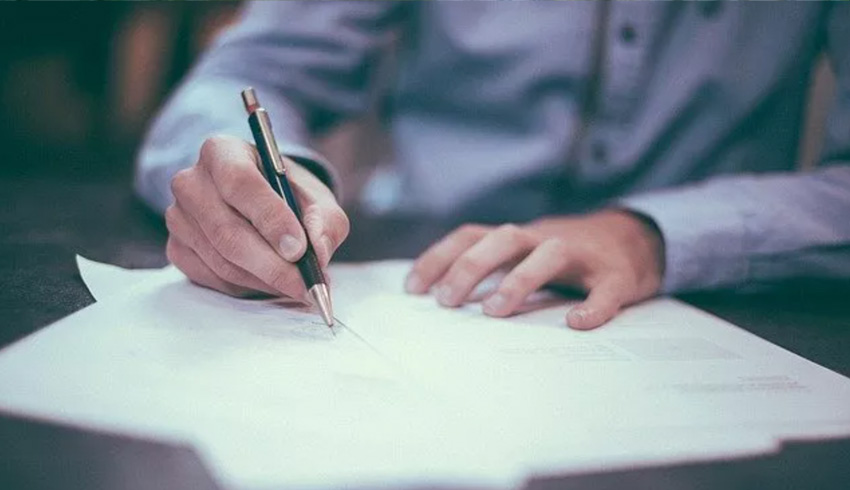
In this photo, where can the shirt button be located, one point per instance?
(628, 34)
(599, 152)
(710, 8)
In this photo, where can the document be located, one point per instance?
(406, 392)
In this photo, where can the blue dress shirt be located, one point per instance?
(506, 111)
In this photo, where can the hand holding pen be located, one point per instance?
(230, 231)
(274, 167)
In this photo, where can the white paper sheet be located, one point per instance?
(409, 393)
(266, 394)
(658, 368)
(104, 280)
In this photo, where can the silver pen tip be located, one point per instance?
(322, 300)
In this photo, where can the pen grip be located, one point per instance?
(308, 264)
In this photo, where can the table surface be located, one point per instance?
(45, 223)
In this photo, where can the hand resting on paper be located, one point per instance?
(229, 231)
(614, 255)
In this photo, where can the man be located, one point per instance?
(642, 148)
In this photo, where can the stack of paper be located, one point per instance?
(407, 393)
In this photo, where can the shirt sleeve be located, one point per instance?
(312, 65)
(731, 231)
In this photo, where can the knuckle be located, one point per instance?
(509, 229)
(231, 182)
(226, 239)
(342, 224)
(586, 248)
(519, 281)
(557, 247)
(470, 230)
(443, 254)
(219, 151)
(181, 182)
(469, 266)
(510, 233)
(213, 146)
(269, 218)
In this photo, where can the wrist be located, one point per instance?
(645, 242)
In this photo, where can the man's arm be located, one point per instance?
(724, 232)
(312, 64)
(746, 229)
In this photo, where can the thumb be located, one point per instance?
(603, 302)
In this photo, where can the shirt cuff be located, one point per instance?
(153, 184)
(704, 238)
(316, 164)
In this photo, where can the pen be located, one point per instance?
(274, 170)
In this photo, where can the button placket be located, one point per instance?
(599, 151)
(630, 31)
(627, 33)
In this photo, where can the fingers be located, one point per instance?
(232, 164)
(435, 261)
(542, 265)
(491, 252)
(197, 271)
(603, 302)
(610, 254)
(232, 236)
(242, 231)
(189, 236)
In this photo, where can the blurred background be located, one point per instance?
(79, 82)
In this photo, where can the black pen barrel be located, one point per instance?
(308, 264)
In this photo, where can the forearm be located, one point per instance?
(310, 64)
(732, 231)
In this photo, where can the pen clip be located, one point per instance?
(269, 142)
(263, 132)
(284, 163)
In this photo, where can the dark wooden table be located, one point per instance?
(44, 223)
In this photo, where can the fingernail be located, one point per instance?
(444, 295)
(289, 247)
(413, 284)
(577, 316)
(495, 303)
